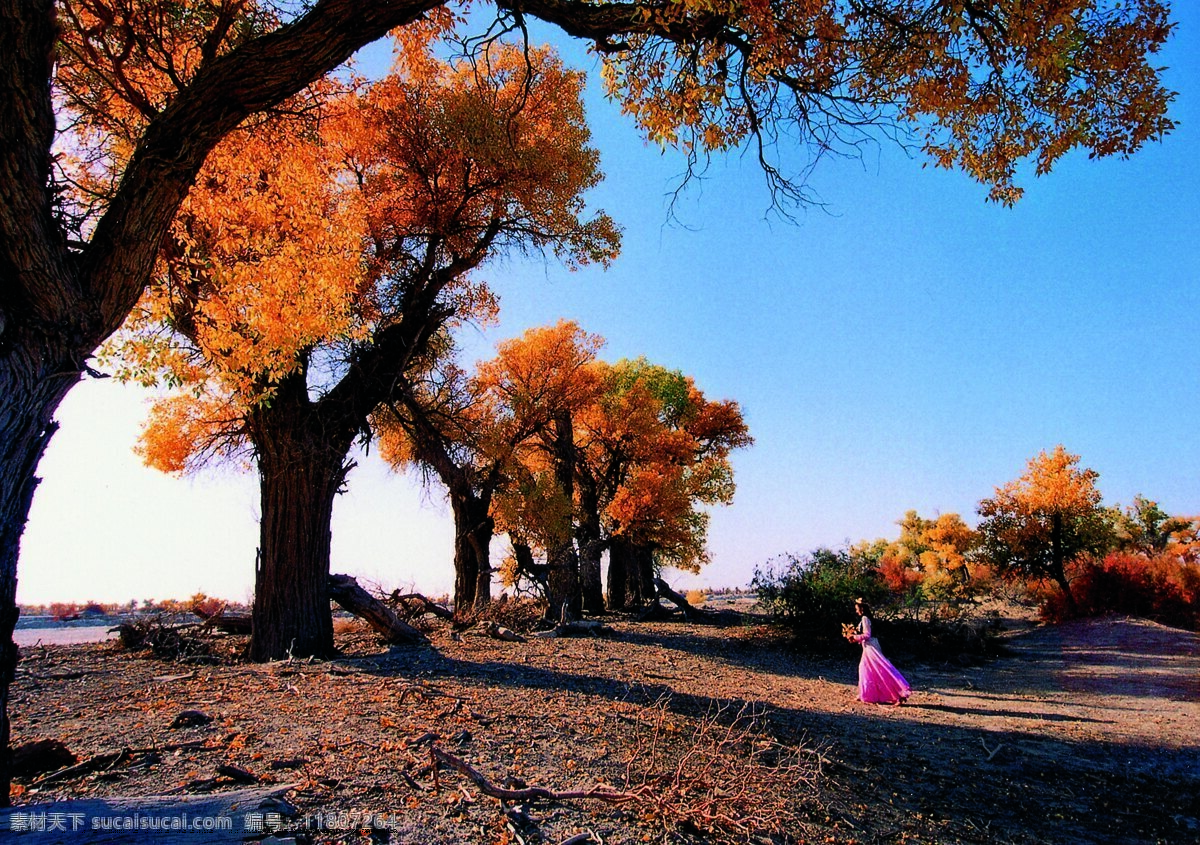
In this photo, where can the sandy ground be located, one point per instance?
(1084, 733)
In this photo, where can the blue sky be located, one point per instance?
(907, 346)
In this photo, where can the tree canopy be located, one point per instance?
(1037, 524)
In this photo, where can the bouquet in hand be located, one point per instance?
(849, 631)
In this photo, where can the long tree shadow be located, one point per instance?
(1113, 657)
(1038, 716)
(1017, 785)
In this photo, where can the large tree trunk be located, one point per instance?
(639, 583)
(300, 472)
(562, 581)
(620, 555)
(31, 388)
(466, 566)
(481, 542)
(587, 534)
(58, 305)
(473, 530)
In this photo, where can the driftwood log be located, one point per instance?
(415, 604)
(496, 631)
(229, 621)
(581, 628)
(160, 819)
(345, 590)
(690, 611)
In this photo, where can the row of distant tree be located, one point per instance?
(201, 603)
(1047, 531)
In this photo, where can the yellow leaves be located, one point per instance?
(120, 62)
(307, 236)
(986, 87)
(270, 256)
(1053, 483)
(544, 371)
(179, 433)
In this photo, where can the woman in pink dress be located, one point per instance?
(879, 682)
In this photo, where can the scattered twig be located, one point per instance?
(100, 762)
(424, 738)
(531, 793)
(580, 838)
(991, 752)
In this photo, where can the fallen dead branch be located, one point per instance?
(729, 779)
(496, 631)
(530, 793)
(110, 759)
(991, 752)
(230, 621)
(690, 611)
(415, 604)
(579, 628)
(346, 591)
(237, 804)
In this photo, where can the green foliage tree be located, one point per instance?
(1146, 528)
(655, 457)
(813, 594)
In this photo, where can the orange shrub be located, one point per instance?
(204, 605)
(899, 577)
(64, 610)
(1163, 588)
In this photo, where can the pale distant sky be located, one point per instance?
(909, 346)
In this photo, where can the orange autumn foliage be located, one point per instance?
(656, 451)
(120, 64)
(932, 555)
(322, 231)
(1161, 587)
(1042, 523)
(535, 379)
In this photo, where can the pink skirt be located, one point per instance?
(879, 682)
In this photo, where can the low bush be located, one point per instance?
(521, 614)
(1162, 588)
(165, 638)
(813, 595)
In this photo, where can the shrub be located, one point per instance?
(813, 594)
(204, 605)
(521, 614)
(1162, 588)
(64, 611)
(167, 640)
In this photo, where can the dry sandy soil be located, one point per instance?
(1083, 733)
